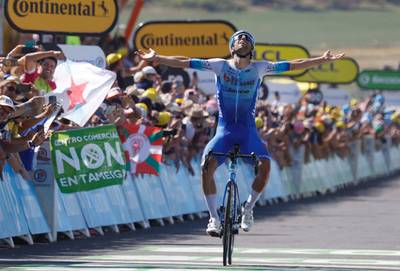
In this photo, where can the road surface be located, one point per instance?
(354, 229)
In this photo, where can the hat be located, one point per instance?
(197, 111)
(138, 77)
(353, 103)
(123, 51)
(151, 93)
(114, 92)
(183, 104)
(133, 90)
(9, 79)
(320, 127)
(143, 109)
(395, 117)
(149, 70)
(6, 101)
(259, 122)
(179, 100)
(340, 124)
(163, 118)
(346, 109)
(113, 58)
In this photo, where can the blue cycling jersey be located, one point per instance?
(237, 92)
(237, 89)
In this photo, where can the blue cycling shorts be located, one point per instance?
(247, 137)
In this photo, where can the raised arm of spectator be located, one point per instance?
(33, 105)
(173, 61)
(17, 50)
(16, 146)
(30, 60)
(48, 110)
(300, 64)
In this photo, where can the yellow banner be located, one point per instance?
(281, 52)
(62, 16)
(342, 71)
(202, 39)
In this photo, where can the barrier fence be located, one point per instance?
(38, 207)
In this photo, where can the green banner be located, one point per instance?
(377, 79)
(87, 159)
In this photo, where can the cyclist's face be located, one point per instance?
(242, 44)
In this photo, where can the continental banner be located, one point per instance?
(202, 39)
(62, 16)
(87, 159)
(281, 52)
(341, 71)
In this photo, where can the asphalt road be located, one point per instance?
(357, 228)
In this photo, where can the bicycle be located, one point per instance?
(230, 210)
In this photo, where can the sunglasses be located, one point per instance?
(246, 37)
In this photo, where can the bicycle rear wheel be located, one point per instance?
(228, 237)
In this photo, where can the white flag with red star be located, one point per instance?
(81, 88)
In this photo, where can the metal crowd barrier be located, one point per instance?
(38, 207)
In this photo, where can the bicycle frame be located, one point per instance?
(232, 178)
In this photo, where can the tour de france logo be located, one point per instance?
(139, 147)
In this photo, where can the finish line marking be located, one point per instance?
(172, 257)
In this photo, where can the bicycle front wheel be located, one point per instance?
(228, 236)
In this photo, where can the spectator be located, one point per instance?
(39, 68)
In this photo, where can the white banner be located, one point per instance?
(84, 53)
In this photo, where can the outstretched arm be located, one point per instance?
(30, 60)
(173, 61)
(300, 64)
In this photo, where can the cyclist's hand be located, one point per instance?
(148, 56)
(329, 56)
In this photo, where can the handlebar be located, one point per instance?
(233, 155)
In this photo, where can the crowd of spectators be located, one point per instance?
(142, 95)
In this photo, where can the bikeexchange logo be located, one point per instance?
(23, 8)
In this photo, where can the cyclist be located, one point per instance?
(237, 82)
